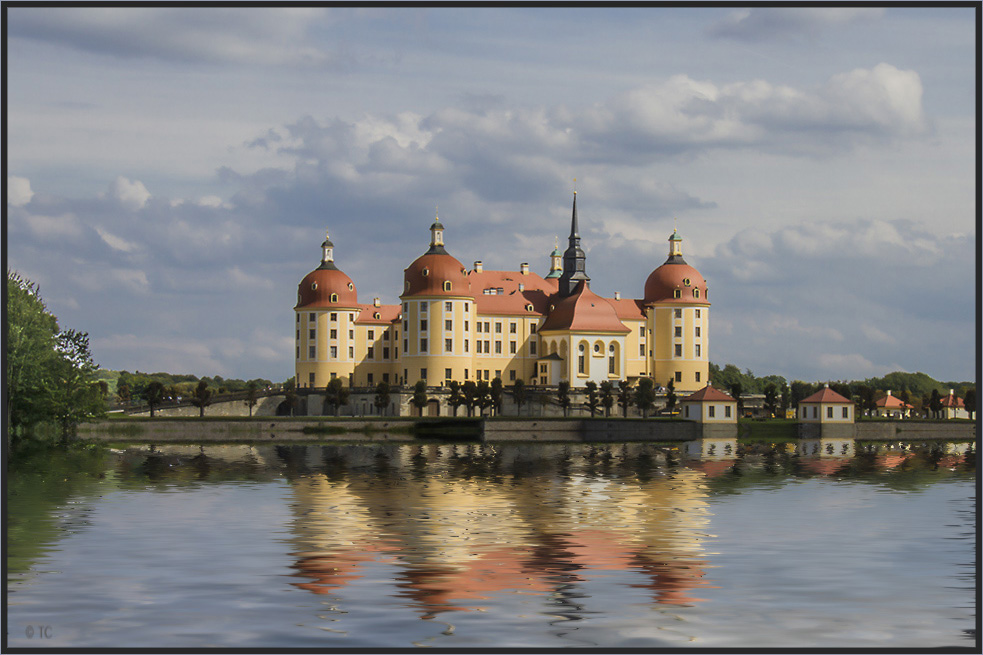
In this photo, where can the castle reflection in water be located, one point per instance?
(458, 524)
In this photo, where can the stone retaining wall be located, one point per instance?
(266, 430)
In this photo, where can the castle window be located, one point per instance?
(477, 326)
(377, 315)
(406, 285)
(696, 293)
(448, 374)
(406, 307)
(313, 333)
(351, 352)
(846, 412)
(686, 281)
(512, 375)
(532, 347)
(385, 352)
(310, 380)
(311, 352)
(333, 334)
(711, 411)
(676, 293)
(448, 306)
(697, 376)
(487, 347)
(448, 325)
(369, 379)
(426, 272)
(311, 317)
(351, 287)
(512, 328)
(351, 335)
(532, 326)
(423, 374)
(466, 326)
(498, 374)
(697, 331)
(423, 345)
(677, 313)
(334, 297)
(498, 328)
(423, 324)
(678, 351)
(371, 334)
(313, 286)
(829, 412)
(298, 318)
(333, 317)
(597, 347)
(529, 308)
(641, 350)
(447, 285)
(697, 314)
(498, 347)
(298, 352)
(487, 328)
(727, 411)
(465, 308)
(424, 307)
(697, 350)
(641, 331)
(679, 376)
(448, 345)
(370, 353)
(512, 347)
(677, 331)
(467, 343)
(334, 352)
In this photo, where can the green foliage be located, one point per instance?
(251, 395)
(624, 397)
(50, 373)
(382, 396)
(202, 397)
(455, 399)
(496, 393)
(969, 400)
(153, 395)
(670, 394)
(607, 397)
(482, 396)
(419, 399)
(336, 394)
(592, 401)
(519, 393)
(563, 395)
(771, 399)
(645, 395)
(470, 392)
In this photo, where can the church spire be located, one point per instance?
(327, 252)
(574, 259)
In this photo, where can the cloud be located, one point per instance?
(852, 366)
(131, 194)
(788, 23)
(115, 242)
(255, 36)
(46, 227)
(18, 191)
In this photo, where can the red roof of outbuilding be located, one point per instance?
(952, 400)
(584, 311)
(892, 402)
(707, 394)
(826, 395)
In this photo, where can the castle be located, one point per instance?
(459, 324)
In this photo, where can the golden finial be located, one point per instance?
(574, 186)
(326, 235)
(435, 214)
(556, 239)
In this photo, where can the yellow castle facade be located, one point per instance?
(455, 323)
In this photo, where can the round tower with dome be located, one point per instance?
(326, 310)
(677, 312)
(438, 311)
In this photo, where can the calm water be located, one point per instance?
(467, 546)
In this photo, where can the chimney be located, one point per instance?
(377, 302)
(617, 295)
(478, 267)
(524, 268)
(889, 392)
(522, 287)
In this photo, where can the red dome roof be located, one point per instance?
(317, 287)
(663, 282)
(426, 277)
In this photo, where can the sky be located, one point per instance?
(171, 171)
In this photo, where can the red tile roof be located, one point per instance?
(387, 314)
(892, 402)
(952, 401)
(584, 311)
(536, 292)
(826, 395)
(628, 309)
(707, 394)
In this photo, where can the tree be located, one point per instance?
(202, 397)
(563, 395)
(455, 399)
(670, 394)
(153, 395)
(969, 401)
(419, 399)
(592, 401)
(800, 390)
(251, 396)
(123, 393)
(290, 394)
(470, 392)
(771, 399)
(50, 375)
(519, 394)
(624, 397)
(736, 389)
(935, 403)
(786, 399)
(607, 397)
(482, 396)
(645, 395)
(382, 392)
(496, 395)
(336, 394)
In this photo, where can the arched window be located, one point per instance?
(696, 293)
(447, 285)
(377, 315)
(614, 359)
(686, 281)
(351, 287)
(313, 286)
(426, 272)
(676, 293)
(334, 297)
(529, 308)
(582, 359)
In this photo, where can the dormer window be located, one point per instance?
(447, 285)
(377, 315)
(313, 286)
(407, 285)
(426, 272)
(696, 293)
(334, 297)
(351, 287)
(676, 293)
(686, 281)
(529, 308)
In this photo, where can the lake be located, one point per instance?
(698, 545)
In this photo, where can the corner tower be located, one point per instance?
(574, 259)
(678, 318)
